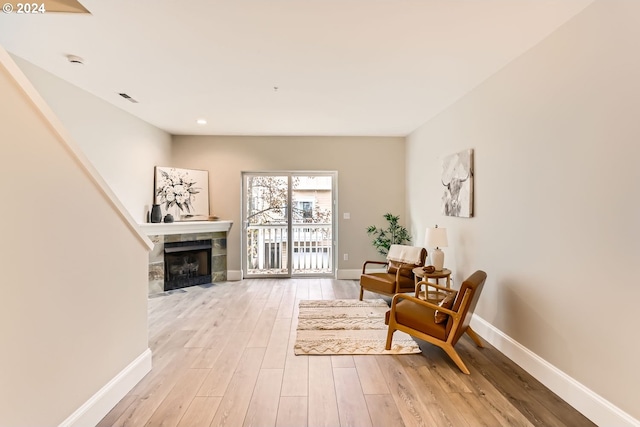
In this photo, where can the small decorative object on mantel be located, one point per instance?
(457, 178)
(168, 218)
(156, 214)
(182, 192)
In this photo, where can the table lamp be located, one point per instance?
(436, 238)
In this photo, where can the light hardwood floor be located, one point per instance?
(223, 356)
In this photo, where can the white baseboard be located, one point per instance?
(349, 274)
(590, 404)
(99, 405)
(234, 275)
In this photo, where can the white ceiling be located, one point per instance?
(341, 67)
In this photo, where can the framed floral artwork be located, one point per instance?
(183, 193)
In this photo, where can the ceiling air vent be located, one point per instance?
(128, 98)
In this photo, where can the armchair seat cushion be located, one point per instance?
(420, 318)
(399, 276)
(385, 283)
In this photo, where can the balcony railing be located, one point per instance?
(311, 246)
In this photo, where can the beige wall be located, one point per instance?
(557, 224)
(370, 179)
(123, 148)
(74, 275)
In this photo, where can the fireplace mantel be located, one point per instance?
(185, 227)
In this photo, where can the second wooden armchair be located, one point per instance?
(398, 277)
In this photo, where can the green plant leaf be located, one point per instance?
(383, 238)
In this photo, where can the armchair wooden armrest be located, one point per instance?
(433, 285)
(364, 266)
(419, 301)
(402, 266)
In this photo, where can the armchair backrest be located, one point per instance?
(473, 285)
(405, 258)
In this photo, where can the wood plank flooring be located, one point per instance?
(223, 356)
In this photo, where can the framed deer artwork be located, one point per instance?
(457, 179)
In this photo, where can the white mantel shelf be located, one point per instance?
(185, 227)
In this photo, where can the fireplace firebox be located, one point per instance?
(187, 264)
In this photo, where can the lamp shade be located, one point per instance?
(436, 238)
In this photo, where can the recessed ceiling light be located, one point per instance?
(201, 121)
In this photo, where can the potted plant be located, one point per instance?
(394, 234)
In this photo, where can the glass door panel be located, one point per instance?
(266, 221)
(312, 230)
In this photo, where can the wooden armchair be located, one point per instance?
(434, 323)
(398, 277)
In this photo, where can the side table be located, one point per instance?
(419, 274)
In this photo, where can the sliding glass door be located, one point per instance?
(288, 224)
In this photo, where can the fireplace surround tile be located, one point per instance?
(160, 234)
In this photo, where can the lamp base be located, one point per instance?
(437, 258)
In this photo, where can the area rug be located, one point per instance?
(347, 327)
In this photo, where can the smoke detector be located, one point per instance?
(75, 59)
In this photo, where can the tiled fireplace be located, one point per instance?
(187, 254)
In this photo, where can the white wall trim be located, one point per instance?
(74, 150)
(234, 275)
(99, 405)
(349, 274)
(590, 404)
(185, 227)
